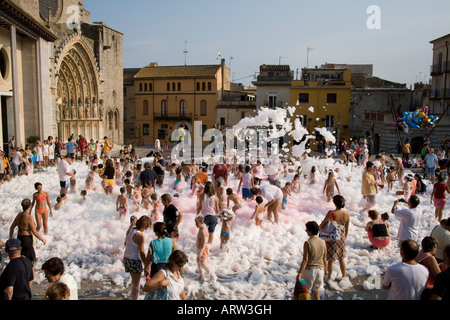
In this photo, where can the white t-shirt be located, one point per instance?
(409, 223)
(406, 281)
(157, 144)
(270, 192)
(72, 284)
(63, 168)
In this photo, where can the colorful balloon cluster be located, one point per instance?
(418, 119)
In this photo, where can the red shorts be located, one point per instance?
(439, 203)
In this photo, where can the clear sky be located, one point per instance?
(256, 32)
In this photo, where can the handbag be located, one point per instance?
(301, 291)
(332, 230)
(159, 294)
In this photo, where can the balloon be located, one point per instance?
(421, 114)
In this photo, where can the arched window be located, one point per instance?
(145, 86)
(116, 120)
(173, 86)
(203, 86)
(179, 86)
(110, 120)
(140, 87)
(203, 107)
(209, 86)
(182, 108)
(150, 86)
(145, 108)
(164, 109)
(168, 86)
(198, 86)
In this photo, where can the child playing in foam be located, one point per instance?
(122, 203)
(258, 214)
(202, 249)
(233, 197)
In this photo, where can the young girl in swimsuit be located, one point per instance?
(296, 183)
(122, 203)
(154, 202)
(258, 214)
(137, 197)
(233, 197)
(146, 192)
(329, 185)
(41, 199)
(220, 192)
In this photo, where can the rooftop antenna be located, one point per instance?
(185, 51)
(307, 56)
(279, 60)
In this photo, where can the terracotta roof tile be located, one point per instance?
(199, 71)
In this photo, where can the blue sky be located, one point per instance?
(256, 32)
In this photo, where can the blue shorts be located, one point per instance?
(246, 193)
(431, 170)
(284, 205)
(15, 168)
(211, 223)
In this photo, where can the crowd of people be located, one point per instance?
(422, 273)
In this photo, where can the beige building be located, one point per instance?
(62, 74)
(237, 103)
(168, 96)
(273, 86)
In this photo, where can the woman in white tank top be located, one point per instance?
(134, 253)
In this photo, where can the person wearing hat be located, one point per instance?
(15, 280)
(26, 229)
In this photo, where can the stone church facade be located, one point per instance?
(78, 87)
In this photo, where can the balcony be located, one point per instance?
(440, 68)
(173, 116)
(436, 69)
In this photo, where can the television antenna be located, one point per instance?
(185, 52)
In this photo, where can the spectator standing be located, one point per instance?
(442, 234)
(409, 218)
(407, 279)
(313, 267)
(15, 280)
(441, 288)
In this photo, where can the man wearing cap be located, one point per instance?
(15, 280)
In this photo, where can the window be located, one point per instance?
(203, 106)
(329, 122)
(140, 87)
(273, 101)
(209, 86)
(168, 86)
(150, 87)
(145, 108)
(303, 97)
(182, 108)
(179, 86)
(173, 86)
(203, 86)
(145, 86)
(164, 110)
(303, 120)
(146, 129)
(331, 98)
(198, 86)
(222, 121)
